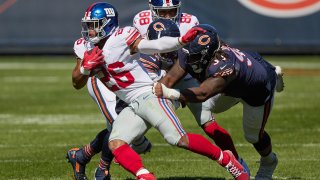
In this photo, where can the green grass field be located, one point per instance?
(42, 116)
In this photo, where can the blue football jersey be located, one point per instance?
(249, 76)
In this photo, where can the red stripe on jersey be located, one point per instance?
(168, 2)
(133, 36)
(89, 9)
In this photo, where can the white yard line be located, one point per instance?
(31, 79)
(36, 66)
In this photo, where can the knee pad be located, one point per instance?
(263, 142)
(141, 146)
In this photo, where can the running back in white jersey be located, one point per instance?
(142, 20)
(125, 77)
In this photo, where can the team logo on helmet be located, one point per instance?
(204, 40)
(282, 8)
(158, 26)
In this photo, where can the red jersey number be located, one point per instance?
(80, 41)
(121, 79)
(144, 18)
(186, 18)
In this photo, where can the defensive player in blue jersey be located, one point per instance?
(223, 69)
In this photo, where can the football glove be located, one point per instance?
(91, 60)
(191, 35)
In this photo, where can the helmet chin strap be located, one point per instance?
(94, 40)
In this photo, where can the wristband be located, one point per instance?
(84, 71)
(180, 41)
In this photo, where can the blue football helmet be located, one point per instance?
(102, 18)
(159, 6)
(201, 50)
(160, 28)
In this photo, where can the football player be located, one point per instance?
(123, 75)
(170, 9)
(104, 98)
(224, 69)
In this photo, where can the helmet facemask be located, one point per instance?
(159, 12)
(200, 52)
(198, 61)
(167, 59)
(96, 25)
(100, 21)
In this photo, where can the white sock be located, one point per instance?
(142, 171)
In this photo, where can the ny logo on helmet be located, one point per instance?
(110, 12)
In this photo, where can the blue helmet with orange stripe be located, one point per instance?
(160, 28)
(201, 50)
(167, 9)
(100, 21)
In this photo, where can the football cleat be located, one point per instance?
(280, 83)
(78, 169)
(235, 168)
(101, 174)
(148, 176)
(244, 164)
(267, 167)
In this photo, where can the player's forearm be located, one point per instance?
(173, 75)
(193, 95)
(167, 81)
(78, 80)
(161, 45)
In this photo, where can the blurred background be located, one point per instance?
(268, 26)
(42, 115)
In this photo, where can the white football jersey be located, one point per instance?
(80, 46)
(125, 77)
(142, 20)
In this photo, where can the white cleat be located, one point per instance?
(280, 83)
(267, 167)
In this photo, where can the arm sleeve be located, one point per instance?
(161, 45)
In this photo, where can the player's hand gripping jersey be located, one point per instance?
(142, 20)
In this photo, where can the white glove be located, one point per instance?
(165, 92)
